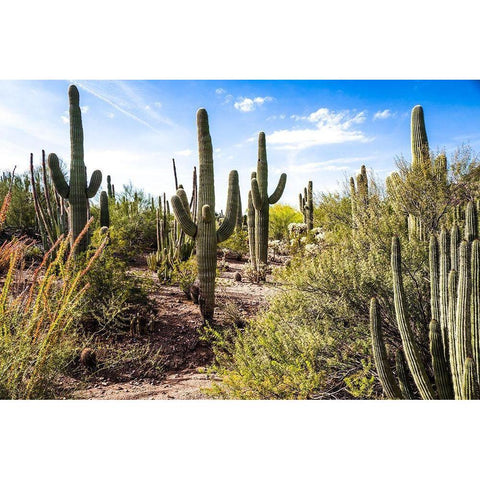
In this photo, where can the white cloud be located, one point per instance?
(383, 114)
(184, 153)
(220, 91)
(246, 104)
(330, 127)
(85, 109)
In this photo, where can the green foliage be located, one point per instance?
(185, 274)
(237, 243)
(21, 213)
(115, 295)
(280, 217)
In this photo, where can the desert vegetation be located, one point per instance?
(372, 292)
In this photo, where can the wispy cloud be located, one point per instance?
(220, 91)
(334, 164)
(330, 127)
(383, 114)
(245, 104)
(123, 105)
(184, 153)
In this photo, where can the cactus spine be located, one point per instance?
(77, 191)
(262, 202)
(204, 231)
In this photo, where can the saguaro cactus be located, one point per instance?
(77, 192)
(261, 200)
(419, 140)
(104, 213)
(205, 231)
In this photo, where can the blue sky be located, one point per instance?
(316, 130)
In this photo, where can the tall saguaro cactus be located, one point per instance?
(205, 231)
(261, 200)
(77, 192)
(420, 149)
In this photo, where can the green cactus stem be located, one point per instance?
(475, 306)
(262, 202)
(204, 231)
(251, 230)
(408, 340)
(104, 213)
(441, 368)
(385, 374)
(419, 140)
(77, 191)
(401, 367)
(470, 388)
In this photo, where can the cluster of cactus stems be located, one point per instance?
(455, 326)
(261, 201)
(204, 230)
(306, 205)
(50, 208)
(359, 196)
(77, 192)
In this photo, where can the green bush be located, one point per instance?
(280, 217)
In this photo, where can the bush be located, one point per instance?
(185, 274)
(280, 217)
(115, 295)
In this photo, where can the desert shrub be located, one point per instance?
(116, 295)
(37, 334)
(21, 213)
(133, 223)
(185, 274)
(280, 217)
(237, 243)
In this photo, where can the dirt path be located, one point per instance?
(174, 342)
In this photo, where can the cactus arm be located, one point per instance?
(384, 371)
(233, 195)
(182, 195)
(58, 178)
(94, 185)
(408, 340)
(441, 369)
(256, 197)
(183, 217)
(275, 196)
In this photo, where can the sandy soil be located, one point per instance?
(175, 356)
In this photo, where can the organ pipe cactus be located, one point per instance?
(261, 200)
(359, 196)
(205, 231)
(77, 192)
(455, 324)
